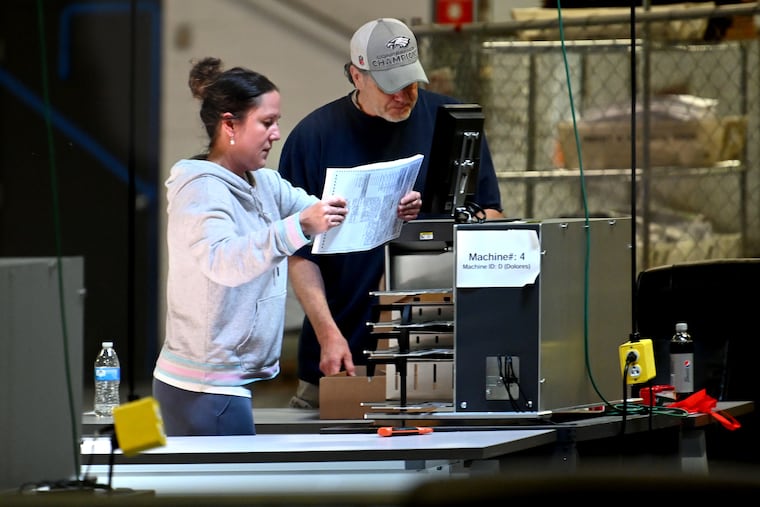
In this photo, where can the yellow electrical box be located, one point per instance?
(637, 361)
(139, 426)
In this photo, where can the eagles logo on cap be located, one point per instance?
(387, 48)
(398, 42)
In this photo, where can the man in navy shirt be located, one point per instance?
(386, 117)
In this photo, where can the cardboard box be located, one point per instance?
(421, 313)
(341, 396)
(606, 144)
(425, 381)
(443, 297)
(661, 30)
(419, 341)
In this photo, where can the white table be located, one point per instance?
(305, 463)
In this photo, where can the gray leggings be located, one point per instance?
(187, 413)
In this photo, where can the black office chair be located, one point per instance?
(718, 300)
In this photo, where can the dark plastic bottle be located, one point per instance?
(682, 361)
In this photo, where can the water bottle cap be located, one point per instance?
(682, 326)
(107, 345)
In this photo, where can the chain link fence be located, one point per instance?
(697, 176)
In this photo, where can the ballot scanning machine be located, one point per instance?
(539, 307)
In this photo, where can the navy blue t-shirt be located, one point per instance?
(339, 135)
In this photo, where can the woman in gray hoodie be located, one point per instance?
(231, 223)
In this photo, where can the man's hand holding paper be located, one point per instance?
(380, 198)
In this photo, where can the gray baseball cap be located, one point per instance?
(387, 48)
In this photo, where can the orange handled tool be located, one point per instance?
(391, 431)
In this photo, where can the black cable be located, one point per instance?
(89, 464)
(111, 457)
(625, 396)
(60, 485)
(722, 391)
(652, 403)
(516, 381)
(476, 212)
(634, 325)
(508, 377)
(511, 378)
(85, 483)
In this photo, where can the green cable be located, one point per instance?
(74, 417)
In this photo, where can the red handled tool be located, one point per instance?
(391, 431)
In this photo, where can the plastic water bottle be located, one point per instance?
(107, 379)
(682, 361)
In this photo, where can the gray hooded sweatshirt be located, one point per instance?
(227, 240)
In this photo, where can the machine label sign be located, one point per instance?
(503, 258)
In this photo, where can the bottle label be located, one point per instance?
(107, 373)
(682, 372)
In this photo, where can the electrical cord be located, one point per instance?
(469, 213)
(508, 377)
(61, 485)
(109, 430)
(624, 409)
(639, 409)
(73, 415)
(629, 360)
(476, 212)
(85, 483)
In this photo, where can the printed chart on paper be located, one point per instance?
(373, 192)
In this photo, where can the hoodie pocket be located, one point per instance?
(263, 347)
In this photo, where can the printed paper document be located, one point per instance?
(373, 192)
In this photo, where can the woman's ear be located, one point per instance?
(228, 124)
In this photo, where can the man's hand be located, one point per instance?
(409, 206)
(335, 355)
